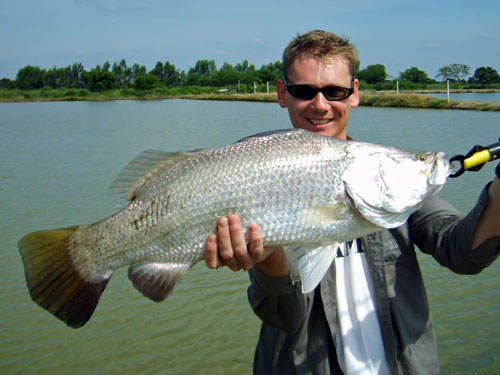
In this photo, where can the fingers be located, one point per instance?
(255, 244)
(229, 246)
(225, 234)
(212, 259)
(241, 256)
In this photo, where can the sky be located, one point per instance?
(398, 34)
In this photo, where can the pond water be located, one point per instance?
(57, 160)
(473, 96)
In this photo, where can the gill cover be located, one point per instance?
(388, 186)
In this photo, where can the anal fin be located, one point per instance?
(156, 280)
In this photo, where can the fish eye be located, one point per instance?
(422, 157)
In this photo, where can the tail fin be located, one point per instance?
(52, 279)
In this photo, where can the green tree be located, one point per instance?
(248, 73)
(414, 75)
(195, 79)
(357, 67)
(171, 75)
(123, 73)
(106, 66)
(242, 67)
(453, 72)
(6, 83)
(271, 72)
(146, 81)
(77, 75)
(201, 73)
(99, 80)
(137, 71)
(373, 74)
(157, 71)
(58, 77)
(166, 73)
(225, 76)
(204, 67)
(485, 75)
(29, 77)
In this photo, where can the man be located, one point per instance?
(369, 315)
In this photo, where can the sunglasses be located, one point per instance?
(308, 92)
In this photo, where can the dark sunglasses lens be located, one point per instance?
(303, 91)
(306, 92)
(335, 93)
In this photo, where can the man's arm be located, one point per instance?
(466, 245)
(489, 222)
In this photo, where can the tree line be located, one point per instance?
(376, 74)
(205, 73)
(120, 75)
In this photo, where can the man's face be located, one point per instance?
(319, 115)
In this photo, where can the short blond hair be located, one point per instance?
(322, 44)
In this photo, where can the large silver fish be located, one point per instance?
(301, 188)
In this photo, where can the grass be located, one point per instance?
(410, 100)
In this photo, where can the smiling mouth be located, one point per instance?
(319, 122)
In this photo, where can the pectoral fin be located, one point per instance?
(311, 264)
(156, 280)
(323, 215)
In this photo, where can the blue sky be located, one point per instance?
(399, 34)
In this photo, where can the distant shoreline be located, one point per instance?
(390, 99)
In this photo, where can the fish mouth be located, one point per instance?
(440, 170)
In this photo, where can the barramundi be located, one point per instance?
(302, 189)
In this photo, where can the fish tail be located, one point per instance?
(53, 281)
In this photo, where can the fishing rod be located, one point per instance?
(475, 158)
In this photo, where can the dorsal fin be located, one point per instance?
(267, 134)
(141, 169)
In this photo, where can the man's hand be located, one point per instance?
(229, 248)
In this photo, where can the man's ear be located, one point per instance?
(281, 92)
(355, 94)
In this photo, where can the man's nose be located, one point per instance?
(320, 103)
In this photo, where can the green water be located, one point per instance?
(56, 162)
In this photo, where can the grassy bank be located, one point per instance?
(368, 98)
(373, 99)
(49, 94)
(410, 100)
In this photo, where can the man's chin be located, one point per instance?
(329, 129)
(326, 129)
